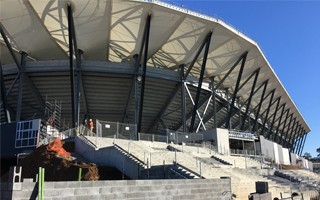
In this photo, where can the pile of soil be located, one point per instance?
(57, 168)
(290, 167)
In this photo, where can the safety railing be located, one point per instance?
(242, 152)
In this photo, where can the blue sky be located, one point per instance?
(288, 32)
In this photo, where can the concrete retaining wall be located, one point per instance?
(214, 189)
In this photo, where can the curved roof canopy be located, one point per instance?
(112, 30)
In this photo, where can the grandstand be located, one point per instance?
(164, 85)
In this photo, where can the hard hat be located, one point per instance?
(90, 120)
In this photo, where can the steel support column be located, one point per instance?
(203, 66)
(304, 141)
(146, 47)
(260, 104)
(250, 98)
(297, 147)
(283, 134)
(136, 98)
(279, 123)
(268, 110)
(236, 91)
(27, 78)
(298, 141)
(214, 96)
(70, 31)
(4, 96)
(183, 100)
(284, 140)
(217, 86)
(291, 132)
(273, 120)
(21, 83)
(296, 132)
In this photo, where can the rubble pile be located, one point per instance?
(58, 164)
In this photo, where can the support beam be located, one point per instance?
(279, 123)
(283, 133)
(205, 41)
(27, 80)
(217, 86)
(250, 98)
(21, 83)
(4, 96)
(204, 62)
(189, 114)
(285, 139)
(183, 100)
(295, 136)
(297, 148)
(70, 32)
(304, 141)
(228, 126)
(273, 120)
(146, 47)
(291, 132)
(260, 104)
(297, 141)
(214, 96)
(268, 110)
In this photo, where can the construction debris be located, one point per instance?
(58, 164)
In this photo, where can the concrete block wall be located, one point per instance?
(214, 189)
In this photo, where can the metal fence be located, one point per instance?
(110, 129)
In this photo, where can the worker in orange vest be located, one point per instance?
(91, 127)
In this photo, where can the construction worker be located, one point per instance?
(91, 127)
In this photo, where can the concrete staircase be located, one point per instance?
(196, 162)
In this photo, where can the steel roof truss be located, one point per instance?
(204, 112)
(291, 131)
(197, 112)
(284, 126)
(217, 86)
(205, 41)
(279, 124)
(145, 59)
(4, 96)
(273, 120)
(70, 32)
(235, 92)
(297, 140)
(259, 105)
(250, 97)
(268, 110)
(304, 141)
(284, 140)
(203, 66)
(20, 90)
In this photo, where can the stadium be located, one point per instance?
(173, 94)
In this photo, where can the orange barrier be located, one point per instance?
(56, 146)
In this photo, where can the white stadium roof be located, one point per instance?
(110, 32)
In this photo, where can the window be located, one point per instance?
(26, 136)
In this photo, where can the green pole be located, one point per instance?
(281, 195)
(39, 183)
(302, 196)
(42, 184)
(79, 174)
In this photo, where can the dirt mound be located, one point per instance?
(57, 168)
(290, 167)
